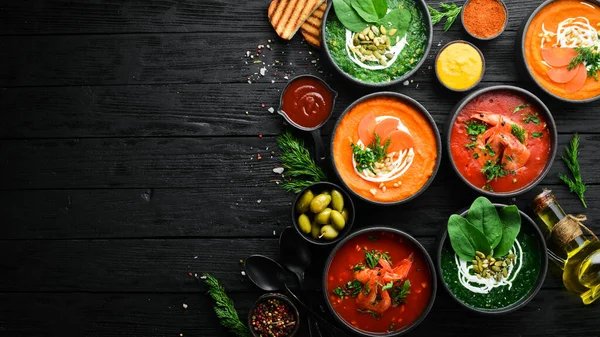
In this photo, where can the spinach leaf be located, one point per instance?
(399, 19)
(466, 238)
(366, 10)
(511, 225)
(381, 7)
(483, 216)
(348, 16)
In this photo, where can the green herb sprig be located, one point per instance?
(352, 288)
(576, 184)
(448, 10)
(298, 163)
(399, 293)
(519, 132)
(493, 170)
(590, 57)
(366, 158)
(475, 128)
(372, 258)
(224, 308)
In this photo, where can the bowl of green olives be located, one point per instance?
(323, 213)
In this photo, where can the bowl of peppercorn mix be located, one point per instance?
(273, 315)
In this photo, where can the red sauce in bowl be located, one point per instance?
(398, 315)
(307, 101)
(514, 108)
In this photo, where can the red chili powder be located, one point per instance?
(484, 18)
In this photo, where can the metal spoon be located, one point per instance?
(269, 275)
(296, 258)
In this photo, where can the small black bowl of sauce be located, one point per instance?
(307, 103)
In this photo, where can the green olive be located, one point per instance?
(323, 217)
(319, 203)
(345, 214)
(304, 202)
(337, 200)
(304, 223)
(315, 230)
(337, 220)
(328, 232)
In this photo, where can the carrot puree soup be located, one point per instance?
(386, 148)
(560, 49)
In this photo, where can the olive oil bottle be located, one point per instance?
(581, 268)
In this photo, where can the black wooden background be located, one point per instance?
(129, 149)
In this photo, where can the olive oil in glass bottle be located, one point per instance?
(581, 268)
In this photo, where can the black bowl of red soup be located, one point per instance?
(502, 140)
(379, 281)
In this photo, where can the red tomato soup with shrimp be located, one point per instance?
(379, 282)
(500, 141)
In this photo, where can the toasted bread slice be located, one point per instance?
(311, 29)
(286, 16)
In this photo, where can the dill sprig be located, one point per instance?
(576, 184)
(224, 308)
(449, 10)
(590, 57)
(298, 164)
(373, 153)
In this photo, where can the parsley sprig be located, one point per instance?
(399, 293)
(366, 158)
(224, 308)
(493, 170)
(576, 184)
(298, 164)
(372, 258)
(519, 132)
(448, 10)
(590, 57)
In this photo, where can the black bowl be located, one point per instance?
(482, 64)
(280, 297)
(525, 221)
(420, 249)
(462, 22)
(551, 125)
(422, 7)
(432, 124)
(317, 188)
(522, 62)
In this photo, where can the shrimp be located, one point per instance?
(400, 272)
(368, 299)
(365, 275)
(488, 147)
(516, 154)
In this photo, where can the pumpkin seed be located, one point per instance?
(480, 265)
(476, 269)
(389, 57)
(474, 262)
(480, 254)
(371, 35)
(397, 39)
(372, 47)
(376, 53)
(511, 256)
(361, 36)
(485, 265)
(498, 263)
(505, 272)
(376, 41)
(492, 260)
(392, 31)
(498, 277)
(375, 30)
(383, 62)
(496, 268)
(508, 262)
(366, 31)
(368, 52)
(503, 264)
(382, 30)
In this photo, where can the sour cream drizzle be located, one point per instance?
(402, 161)
(573, 32)
(469, 279)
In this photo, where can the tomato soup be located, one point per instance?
(500, 141)
(404, 280)
(549, 48)
(384, 149)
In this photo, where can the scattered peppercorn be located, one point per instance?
(273, 318)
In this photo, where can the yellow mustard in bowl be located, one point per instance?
(459, 66)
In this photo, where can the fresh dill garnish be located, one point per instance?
(493, 171)
(370, 312)
(448, 10)
(576, 184)
(519, 132)
(366, 158)
(372, 258)
(590, 58)
(298, 164)
(224, 308)
(537, 134)
(399, 293)
(529, 118)
(521, 107)
(475, 128)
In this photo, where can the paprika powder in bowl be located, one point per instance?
(484, 19)
(306, 103)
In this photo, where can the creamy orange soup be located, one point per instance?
(424, 146)
(550, 17)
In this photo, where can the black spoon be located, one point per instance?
(296, 258)
(269, 275)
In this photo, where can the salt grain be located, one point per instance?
(185, 306)
(406, 82)
(263, 71)
(258, 201)
(271, 110)
(243, 273)
(278, 170)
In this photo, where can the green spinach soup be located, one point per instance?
(381, 53)
(524, 265)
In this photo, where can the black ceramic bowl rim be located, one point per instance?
(425, 114)
(279, 297)
(289, 120)
(482, 65)
(423, 252)
(551, 125)
(429, 26)
(522, 302)
(523, 32)
(348, 204)
(462, 21)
